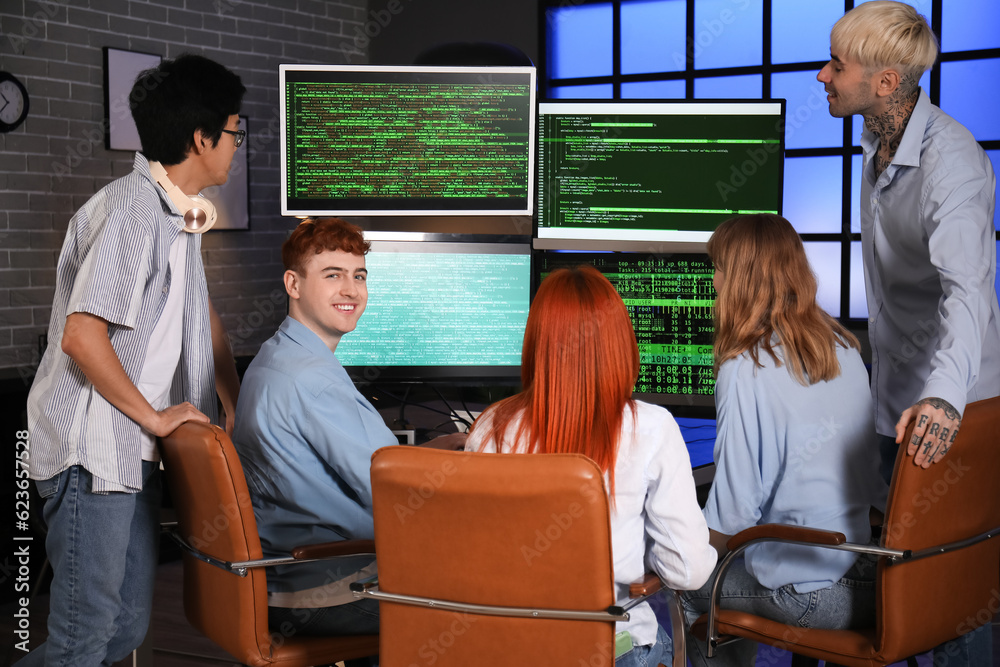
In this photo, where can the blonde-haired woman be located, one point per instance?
(796, 438)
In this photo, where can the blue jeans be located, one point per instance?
(649, 655)
(971, 649)
(355, 618)
(103, 549)
(849, 603)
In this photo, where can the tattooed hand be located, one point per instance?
(934, 433)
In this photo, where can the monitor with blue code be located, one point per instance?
(670, 299)
(408, 140)
(441, 310)
(633, 170)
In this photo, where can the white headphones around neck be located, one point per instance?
(199, 213)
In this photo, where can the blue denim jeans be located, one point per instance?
(103, 549)
(355, 618)
(849, 603)
(649, 655)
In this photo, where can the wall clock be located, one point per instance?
(13, 102)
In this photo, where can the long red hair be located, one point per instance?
(579, 364)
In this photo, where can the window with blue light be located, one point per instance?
(858, 308)
(857, 173)
(580, 41)
(971, 24)
(589, 92)
(653, 36)
(810, 204)
(746, 87)
(724, 50)
(801, 30)
(728, 33)
(824, 258)
(808, 123)
(969, 95)
(652, 90)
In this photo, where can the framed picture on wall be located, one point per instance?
(120, 71)
(232, 200)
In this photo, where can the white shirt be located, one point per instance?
(655, 522)
(164, 349)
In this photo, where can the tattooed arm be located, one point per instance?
(936, 426)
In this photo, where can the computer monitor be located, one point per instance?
(441, 310)
(639, 171)
(409, 140)
(670, 299)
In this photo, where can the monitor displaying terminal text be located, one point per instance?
(409, 140)
(635, 170)
(670, 299)
(441, 310)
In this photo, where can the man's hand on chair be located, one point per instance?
(937, 424)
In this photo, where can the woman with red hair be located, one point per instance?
(795, 439)
(578, 366)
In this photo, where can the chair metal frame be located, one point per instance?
(835, 541)
(979, 427)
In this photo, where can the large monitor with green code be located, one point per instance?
(670, 299)
(441, 310)
(634, 170)
(407, 140)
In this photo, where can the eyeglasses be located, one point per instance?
(239, 134)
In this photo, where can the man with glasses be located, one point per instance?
(132, 341)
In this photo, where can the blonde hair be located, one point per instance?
(884, 33)
(768, 290)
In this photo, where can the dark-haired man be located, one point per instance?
(132, 341)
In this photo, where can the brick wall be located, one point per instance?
(50, 165)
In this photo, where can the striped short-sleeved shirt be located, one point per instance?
(114, 264)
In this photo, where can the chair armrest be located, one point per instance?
(649, 584)
(774, 531)
(334, 549)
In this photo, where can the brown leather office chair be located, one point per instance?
(492, 559)
(938, 570)
(225, 590)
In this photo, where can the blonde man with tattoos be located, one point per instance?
(928, 241)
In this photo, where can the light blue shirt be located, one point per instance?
(790, 454)
(929, 250)
(305, 436)
(115, 264)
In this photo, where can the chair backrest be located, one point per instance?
(952, 500)
(215, 516)
(522, 530)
